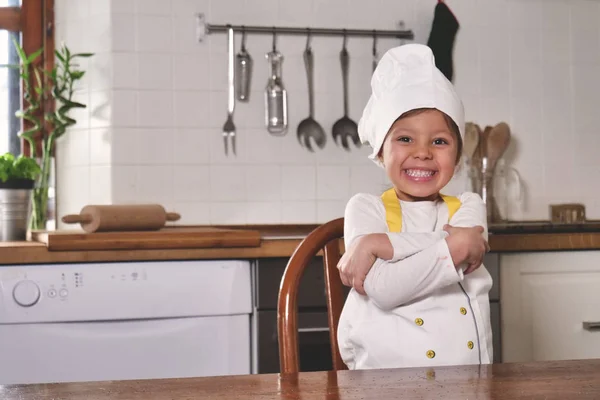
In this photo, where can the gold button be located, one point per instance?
(463, 311)
(470, 345)
(430, 353)
(419, 321)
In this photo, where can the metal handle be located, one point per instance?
(375, 55)
(230, 72)
(312, 330)
(344, 61)
(308, 63)
(591, 326)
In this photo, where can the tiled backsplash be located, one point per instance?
(157, 103)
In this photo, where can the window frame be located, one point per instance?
(34, 19)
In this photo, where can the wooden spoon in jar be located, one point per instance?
(496, 143)
(471, 140)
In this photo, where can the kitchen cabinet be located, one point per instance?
(546, 300)
(313, 325)
(492, 264)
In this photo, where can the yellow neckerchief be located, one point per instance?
(393, 213)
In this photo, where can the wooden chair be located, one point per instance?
(324, 237)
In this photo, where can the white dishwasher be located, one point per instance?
(124, 320)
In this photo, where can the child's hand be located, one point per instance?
(466, 245)
(360, 256)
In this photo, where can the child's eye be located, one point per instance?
(405, 139)
(440, 141)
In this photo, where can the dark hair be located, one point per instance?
(449, 121)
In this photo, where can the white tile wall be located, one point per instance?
(157, 102)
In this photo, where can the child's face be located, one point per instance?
(419, 155)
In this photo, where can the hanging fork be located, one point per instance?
(229, 126)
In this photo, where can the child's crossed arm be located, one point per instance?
(397, 268)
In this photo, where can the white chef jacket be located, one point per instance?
(419, 309)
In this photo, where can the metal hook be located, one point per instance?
(374, 43)
(243, 38)
(307, 38)
(375, 56)
(345, 37)
(274, 39)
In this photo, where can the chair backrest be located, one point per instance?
(325, 237)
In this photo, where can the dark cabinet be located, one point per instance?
(313, 328)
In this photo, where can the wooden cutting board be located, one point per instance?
(166, 238)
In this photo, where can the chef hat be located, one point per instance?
(405, 79)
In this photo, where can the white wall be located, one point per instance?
(157, 102)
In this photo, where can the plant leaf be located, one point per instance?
(59, 55)
(20, 50)
(34, 55)
(77, 74)
(26, 168)
(38, 78)
(74, 104)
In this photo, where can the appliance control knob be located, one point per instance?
(26, 293)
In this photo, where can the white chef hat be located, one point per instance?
(405, 79)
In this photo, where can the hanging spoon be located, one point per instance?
(309, 128)
(345, 128)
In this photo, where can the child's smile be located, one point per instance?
(420, 175)
(420, 154)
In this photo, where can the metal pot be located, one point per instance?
(15, 202)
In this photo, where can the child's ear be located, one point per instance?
(380, 154)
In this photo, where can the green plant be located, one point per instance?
(20, 167)
(39, 87)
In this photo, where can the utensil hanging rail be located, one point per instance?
(206, 28)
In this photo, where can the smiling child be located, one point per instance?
(414, 255)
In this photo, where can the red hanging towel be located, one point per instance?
(442, 36)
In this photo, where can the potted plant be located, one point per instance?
(17, 179)
(40, 87)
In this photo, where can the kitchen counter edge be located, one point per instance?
(274, 243)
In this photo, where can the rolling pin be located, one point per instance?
(134, 217)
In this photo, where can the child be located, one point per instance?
(424, 300)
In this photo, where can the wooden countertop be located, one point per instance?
(36, 253)
(543, 380)
(276, 241)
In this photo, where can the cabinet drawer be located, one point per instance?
(559, 305)
(544, 310)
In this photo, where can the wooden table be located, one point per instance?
(545, 380)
